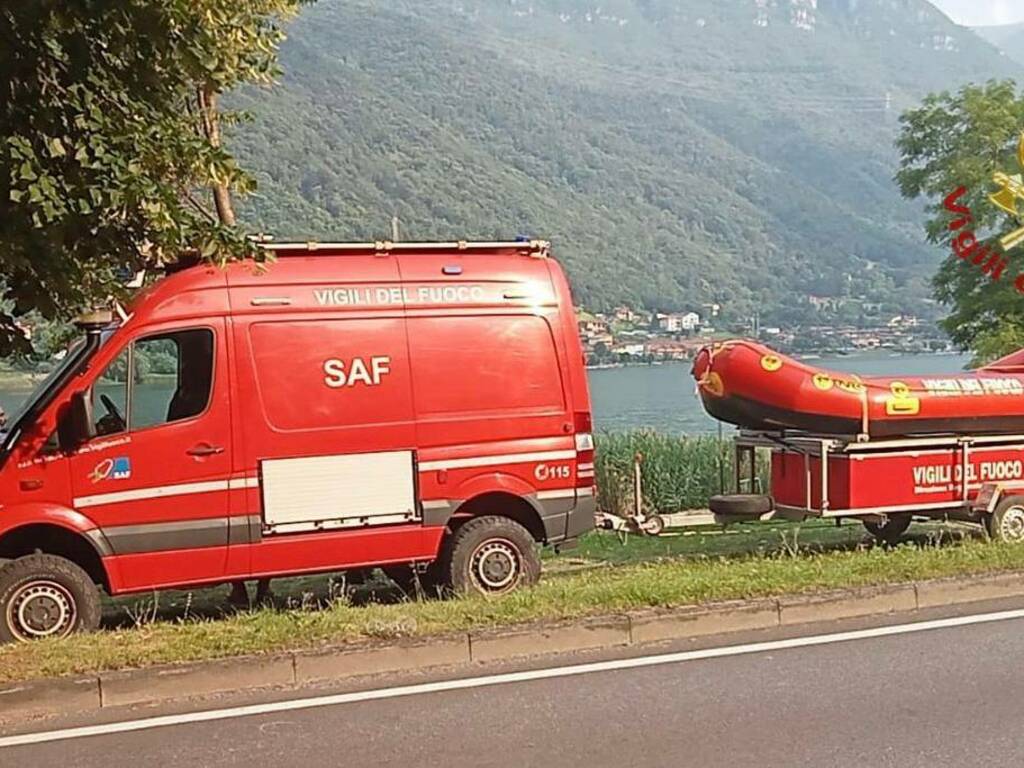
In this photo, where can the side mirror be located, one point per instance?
(75, 425)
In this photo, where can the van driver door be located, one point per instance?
(155, 478)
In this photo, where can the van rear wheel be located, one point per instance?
(490, 555)
(45, 596)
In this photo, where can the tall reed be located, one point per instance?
(679, 472)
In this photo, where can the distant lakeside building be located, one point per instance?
(629, 336)
(678, 322)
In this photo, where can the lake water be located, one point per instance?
(661, 397)
(664, 397)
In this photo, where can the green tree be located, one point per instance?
(110, 141)
(961, 140)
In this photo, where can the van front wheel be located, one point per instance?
(46, 596)
(490, 555)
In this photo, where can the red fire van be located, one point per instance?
(411, 406)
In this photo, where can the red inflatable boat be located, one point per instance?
(750, 385)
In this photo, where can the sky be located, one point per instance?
(974, 13)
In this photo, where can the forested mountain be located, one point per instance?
(676, 151)
(1009, 38)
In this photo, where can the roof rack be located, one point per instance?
(536, 248)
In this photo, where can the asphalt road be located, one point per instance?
(943, 697)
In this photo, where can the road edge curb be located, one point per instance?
(293, 669)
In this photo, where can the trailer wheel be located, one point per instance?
(890, 531)
(1006, 523)
(490, 555)
(46, 596)
(654, 525)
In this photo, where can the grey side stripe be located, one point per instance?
(438, 511)
(99, 541)
(547, 504)
(245, 530)
(182, 534)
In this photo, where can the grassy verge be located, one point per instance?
(762, 539)
(660, 583)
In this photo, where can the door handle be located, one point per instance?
(205, 449)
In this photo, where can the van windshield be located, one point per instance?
(67, 359)
(77, 353)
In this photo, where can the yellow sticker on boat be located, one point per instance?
(771, 363)
(901, 403)
(822, 381)
(713, 384)
(850, 385)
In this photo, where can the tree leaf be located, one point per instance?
(121, 112)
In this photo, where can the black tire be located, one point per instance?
(741, 504)
(1006, 523)
(654, 525)
(46, 596)
(890, 531)
(489, 555)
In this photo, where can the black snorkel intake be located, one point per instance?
(93, 324)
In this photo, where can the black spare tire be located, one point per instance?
(741, 504)
(888, 532)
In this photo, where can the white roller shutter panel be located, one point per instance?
(338, 491)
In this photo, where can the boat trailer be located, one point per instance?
(883, 483)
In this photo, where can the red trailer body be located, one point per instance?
(884, 482)
(343, 407)
(892, 480)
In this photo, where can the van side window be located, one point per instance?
(110, 396)
(171, 379)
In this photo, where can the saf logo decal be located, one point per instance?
(368, 372)
(119, 468)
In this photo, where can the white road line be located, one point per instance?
(511, 677)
